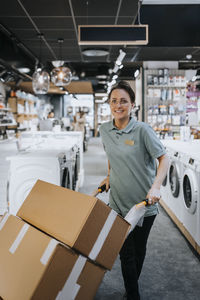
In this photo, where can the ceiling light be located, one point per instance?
(136, 74)
(115, 76)
(189, 56)
(95, 52)
(121, 56)
(101, 76)
(57, 63)
(102, 82)
(24, 70)
(61, 76)
(40, 81)
(115, 69)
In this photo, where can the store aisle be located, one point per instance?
(171, 269)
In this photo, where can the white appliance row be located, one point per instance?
(181, 189)
(55, 159)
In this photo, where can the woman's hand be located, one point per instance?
(106, 181)
(153, 196)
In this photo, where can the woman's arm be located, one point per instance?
(154, 193)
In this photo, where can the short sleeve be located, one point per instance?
(152, 142)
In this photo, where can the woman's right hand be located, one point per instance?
(106, 181)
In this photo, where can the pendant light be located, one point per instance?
(40, 81)
(60, 75)
(41, 78)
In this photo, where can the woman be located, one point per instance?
(132, 148)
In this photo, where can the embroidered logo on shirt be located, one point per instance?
(129, 142)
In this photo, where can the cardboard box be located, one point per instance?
(12, 102)
(33, 266)
(82, 222)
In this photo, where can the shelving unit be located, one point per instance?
(24, 111)
(6, 118)
(165, 101)
(193, 104)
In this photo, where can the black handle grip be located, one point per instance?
(102, 188)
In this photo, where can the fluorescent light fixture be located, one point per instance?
(136, 74)
(24, 70)
(101, 76)
(115, 69)
(115, 76)
(120, 57)
(95, 52)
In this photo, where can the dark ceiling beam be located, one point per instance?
(116, 20)
(14, 70)
(17, 42)
(75, 28)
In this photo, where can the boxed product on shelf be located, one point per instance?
(12, 103)
(37, 267)
(82, 222)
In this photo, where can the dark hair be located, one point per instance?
(123, 85)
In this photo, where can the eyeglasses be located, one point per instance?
(122, 102)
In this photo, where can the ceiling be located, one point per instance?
(29, 31)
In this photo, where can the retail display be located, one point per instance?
(165, 100)
(180, 192)
(24, 111)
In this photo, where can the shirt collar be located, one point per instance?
(127, 129)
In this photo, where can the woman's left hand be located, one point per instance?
(153, 196)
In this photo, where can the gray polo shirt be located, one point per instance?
(132, 153)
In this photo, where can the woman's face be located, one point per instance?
(120, 104)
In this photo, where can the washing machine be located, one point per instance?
(173, 185)
(165, 187)
(191, 194)
(26, 168)
(7, 147)
(63, 139)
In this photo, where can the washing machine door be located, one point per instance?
(190, 191)
(174, 179)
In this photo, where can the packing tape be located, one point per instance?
(3, 221)
(48, 251)
(103, 235)
(19, 238)
(71, 288)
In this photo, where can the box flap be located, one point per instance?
(62, 210)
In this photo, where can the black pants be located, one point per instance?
(132, 257)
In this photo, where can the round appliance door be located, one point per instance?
(190, 191)
(174, 179)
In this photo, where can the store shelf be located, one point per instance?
(165, 86)
(7, 124)
(165, 104)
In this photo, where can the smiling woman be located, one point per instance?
(122, 100)
(132, 149)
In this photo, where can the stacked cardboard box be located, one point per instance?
(60, 247)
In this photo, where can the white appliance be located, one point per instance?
(7, 147)
(26, 168)
(171, 191)
(191, 195)
(63, 139)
